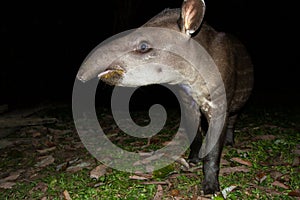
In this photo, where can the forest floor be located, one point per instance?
(49, 161)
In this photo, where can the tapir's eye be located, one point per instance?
(143, 47)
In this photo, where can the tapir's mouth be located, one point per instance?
(112, 74)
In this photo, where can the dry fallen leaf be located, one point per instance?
(159, 193)
(145, 154)
(146, 175)
(202, 198)
(175, 193)
(98, 171)
(265, 137)
(150, 168)
(47, 160)
(7, 185)
(67, 195)
(65, 165)
(12, 176)
(41, 186)
(44, 151)
(279, 184)
(62, 167)
(224, 162)
(228, 170)
(152, 158)
(36, 134)
(294, 193)
(78, 167)
(49, 143)
(183, 162)
(260, 177)
(135, 177)
(156, 183)
(276, 174)
(241, 161)
(227, 190)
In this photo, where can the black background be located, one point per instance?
(43, 44)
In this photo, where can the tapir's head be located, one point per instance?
(133, 58)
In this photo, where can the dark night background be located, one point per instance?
(42, 45)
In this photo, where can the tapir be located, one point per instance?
(229, 55)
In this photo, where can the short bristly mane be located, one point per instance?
(165, 19)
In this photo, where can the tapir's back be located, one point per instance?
(233, 62)
(244, 75)
(227, 52)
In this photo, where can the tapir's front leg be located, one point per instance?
(211, 166)
(191, 121)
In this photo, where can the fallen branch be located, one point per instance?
(20, 122)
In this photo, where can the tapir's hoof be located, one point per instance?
(210, 187)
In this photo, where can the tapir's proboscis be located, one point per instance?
(228, 54)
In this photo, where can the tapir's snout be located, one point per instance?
(82, 78)
(110, 74)
(94, 64)
(101, 58)
(85, 75)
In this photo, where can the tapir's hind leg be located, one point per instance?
(195, 148)
(230, 130)
(197, 142)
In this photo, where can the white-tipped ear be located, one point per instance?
(192, 14)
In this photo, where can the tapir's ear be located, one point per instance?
(192, 14)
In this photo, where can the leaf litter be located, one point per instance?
(44, 145)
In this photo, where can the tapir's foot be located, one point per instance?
(210, 186)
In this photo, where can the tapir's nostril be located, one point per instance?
(81, 78)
